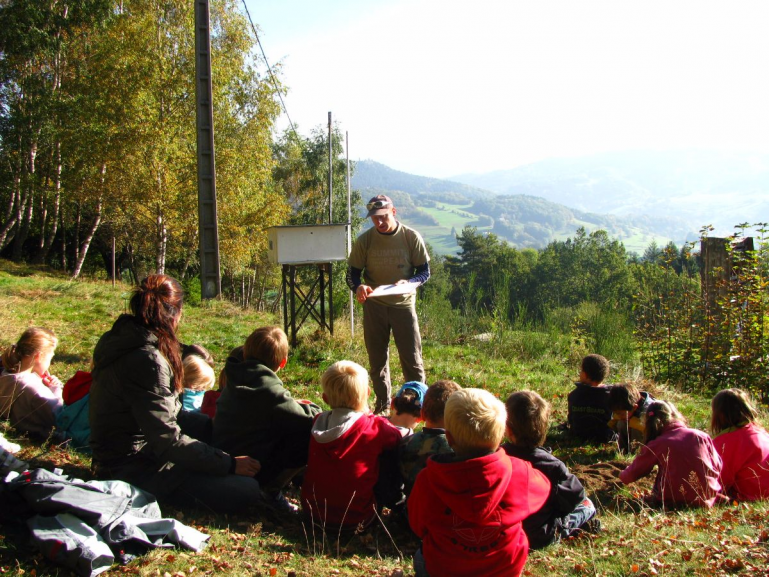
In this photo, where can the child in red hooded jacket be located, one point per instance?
(345, 447)
(468, 507)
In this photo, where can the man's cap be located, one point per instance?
(379, 204)
(419, 388)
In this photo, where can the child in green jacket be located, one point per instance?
(257, 416)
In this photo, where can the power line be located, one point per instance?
(270, 71)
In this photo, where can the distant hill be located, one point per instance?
(371, 174)
(441, 208)
(697, 187)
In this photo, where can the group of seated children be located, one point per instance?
(692, 469)
(477, 504)
(467, 495)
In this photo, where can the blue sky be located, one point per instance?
(443, 87)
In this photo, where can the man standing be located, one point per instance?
(389, 253)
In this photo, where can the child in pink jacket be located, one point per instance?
(688, 464)
(742, 444)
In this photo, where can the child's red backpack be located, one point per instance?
(72, 421)
(77, 387)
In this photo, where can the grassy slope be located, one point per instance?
(637, 541)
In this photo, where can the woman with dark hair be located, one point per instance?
(135, 436)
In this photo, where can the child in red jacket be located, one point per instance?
(345, 447)
(742, 444)
(468, 507)
(688, 465)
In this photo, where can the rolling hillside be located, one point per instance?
(698, 187)
(441, 208)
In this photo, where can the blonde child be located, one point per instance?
(198, 378)
(345, 445)
(29, 395)
(688, 464)
(468, 507)
(742, 444)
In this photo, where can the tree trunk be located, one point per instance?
(83, 251)
(132, 264)
(162, 239)
(43, 212)
(261, 305)
(11, 219)
(77, 233)
(277, 301)
(89, 237)
(56, 206)
(63, 244)
(11, 226)
(24, 221)
(22, 232)
(189, 255)
(252, 283)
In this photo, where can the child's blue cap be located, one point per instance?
(417, 387)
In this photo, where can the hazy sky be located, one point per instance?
(443, 87)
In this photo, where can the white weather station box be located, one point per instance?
(308, 244)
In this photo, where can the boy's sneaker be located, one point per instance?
(593, 526)
(279, 503)
(10, 463)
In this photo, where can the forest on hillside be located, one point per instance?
(98, 142)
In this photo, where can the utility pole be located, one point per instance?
(208, 235)
(330, 168)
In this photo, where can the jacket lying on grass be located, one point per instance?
(88, 525)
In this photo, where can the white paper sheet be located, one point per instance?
(394, 289)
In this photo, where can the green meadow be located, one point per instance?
(636, 540)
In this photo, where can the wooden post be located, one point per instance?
(113, 260)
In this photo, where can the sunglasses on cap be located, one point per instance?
(378, 204)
